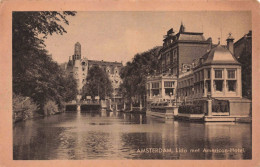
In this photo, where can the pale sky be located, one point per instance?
(118, 36)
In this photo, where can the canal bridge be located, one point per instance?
(84, 106)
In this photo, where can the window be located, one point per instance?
(218, 73)
(208, 86)
(168, 84)
(231, 86)
(208, 72)
(231, 74)
(168, 59)
(155, 92)
(219, 85)
(175, 56)
(163, 65)
(155, 85)
(155, 89)
(169, 91)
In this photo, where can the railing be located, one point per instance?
(89, 102)
(84, 102)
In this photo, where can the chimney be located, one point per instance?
(230, 44)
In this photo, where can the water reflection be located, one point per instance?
(115, 135)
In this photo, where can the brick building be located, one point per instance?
(79, 67)
(176, 56)
(179, 50)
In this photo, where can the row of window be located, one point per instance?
(218, 86)
(186, 83)
(169, 84)
(218, 74)
(156, 92)
(169, 58)
(156, 85)
(231, 73)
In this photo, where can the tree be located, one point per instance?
(29, 31)
(134, 74)
(35, 74)
(246, 63)
(98, 83)
(70, 86)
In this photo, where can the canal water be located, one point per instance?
(128, 136)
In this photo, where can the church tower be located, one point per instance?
(77, 52)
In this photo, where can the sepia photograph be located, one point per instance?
(131, 85)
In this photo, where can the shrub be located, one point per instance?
(23, 108)
(50, 108)
(190, 109)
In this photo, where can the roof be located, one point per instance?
(105, 63)
(219, 55)
(182, 35)
(246, 36)
(190, 36)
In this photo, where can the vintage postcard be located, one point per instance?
(161, 83)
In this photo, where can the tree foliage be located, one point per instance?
(35, 74)
(50, 108)
(23, 108)
(134, 73)
(245, 58)
(98, 83)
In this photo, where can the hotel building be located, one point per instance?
(196, 73)
(176, 56)
(79, 67)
